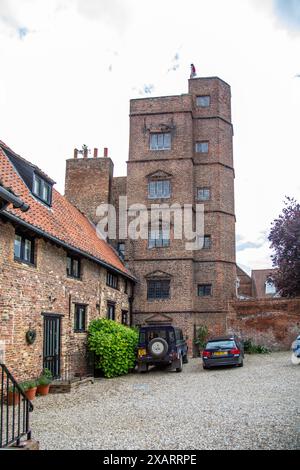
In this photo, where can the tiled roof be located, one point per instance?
(61, 221)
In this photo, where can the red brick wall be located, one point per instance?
(88, 184)
(28, 291)
(270, 322)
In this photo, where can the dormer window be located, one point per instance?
(42, 189)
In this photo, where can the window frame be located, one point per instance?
(124, 314)
(76, 308)
(74, 258)
(204, 188)
(206, 238)
(24, 238)
(43, 184)
(201, 142)
(154, 288)
(199, 97)
(110, 280)
(121, 252)
(155, 183)
(157, 149)
(159, 242)
(112, 305)
(204, 286)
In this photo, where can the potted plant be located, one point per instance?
(29, 388)
(43, 382)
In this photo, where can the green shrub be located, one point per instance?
(251, 348)
(201, 336)
(114, 346)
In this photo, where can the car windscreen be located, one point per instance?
(149, 335)
(225, 344)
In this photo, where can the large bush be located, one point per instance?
(114, 346)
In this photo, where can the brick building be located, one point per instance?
(257, 286)
(56, 275)
(180, 151)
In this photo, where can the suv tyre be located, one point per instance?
(158, 347)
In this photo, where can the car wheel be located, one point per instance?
(241, 364)
(185, 359)
(158, 348)
(205, 367)
(179, 369)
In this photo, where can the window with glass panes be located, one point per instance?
(201, 147)
(111, 280)
(159, 189)
(158, 289)
(24, 248)
(80, 318)
(204, 290)
(111, 314)
(203, 194)
(160, 141)
(73, 267)
(42, 189)
(203, 101)
(159, 237)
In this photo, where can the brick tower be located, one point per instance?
(180, 151)
(88, 182)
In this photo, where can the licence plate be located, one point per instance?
(220, 353)
(142, 352)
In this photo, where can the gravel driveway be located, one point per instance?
(254, 407)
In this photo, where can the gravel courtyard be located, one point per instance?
(254, 407)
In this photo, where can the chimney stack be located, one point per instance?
(95, 153)
(85, 152)
(75, 153)
(105, 152)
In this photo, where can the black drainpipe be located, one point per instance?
(9, 197)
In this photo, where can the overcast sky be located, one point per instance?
(69, 68)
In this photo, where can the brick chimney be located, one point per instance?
(88, 181)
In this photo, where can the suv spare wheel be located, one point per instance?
(158, 347)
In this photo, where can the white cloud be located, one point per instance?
(70, 79)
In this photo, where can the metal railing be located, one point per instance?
(14, 410)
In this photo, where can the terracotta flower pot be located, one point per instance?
(30, 393)
(43, 389)
(13, 398)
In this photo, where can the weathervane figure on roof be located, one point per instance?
(193, 71)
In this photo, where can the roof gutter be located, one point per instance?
(11, 198)
(65, 245)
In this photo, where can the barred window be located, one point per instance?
(160, 141)
(159, 189)
(159, 289)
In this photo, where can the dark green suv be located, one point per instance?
(161, 345)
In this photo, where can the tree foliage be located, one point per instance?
(285, 241)
(114, 346)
